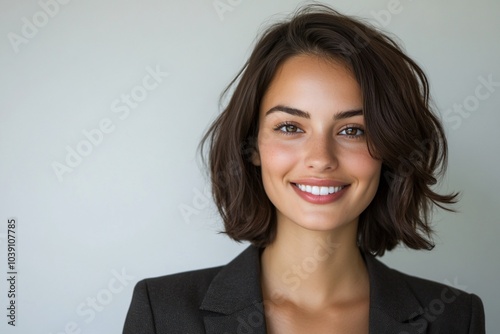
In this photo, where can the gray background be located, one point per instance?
(120, 208)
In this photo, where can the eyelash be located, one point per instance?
(350, 126)
(286, 133)
(354, 127)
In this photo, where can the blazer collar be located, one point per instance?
(233, 302)
(393, 304)
(235, 297)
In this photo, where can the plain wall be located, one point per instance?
(137, 204)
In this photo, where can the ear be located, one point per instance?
(255, 157)
(251, 150)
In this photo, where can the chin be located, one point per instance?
(326, 224)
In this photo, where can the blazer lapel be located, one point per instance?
(393, 306)
(233, 302)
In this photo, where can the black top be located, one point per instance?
(228, 300)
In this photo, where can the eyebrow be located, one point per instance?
(348, 114)
(288, 110)
(305, 114)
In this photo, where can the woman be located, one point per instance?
(323, 158)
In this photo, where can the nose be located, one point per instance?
(321, 153)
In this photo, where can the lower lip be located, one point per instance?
(320, 199)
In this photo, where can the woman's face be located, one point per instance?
(312, 150)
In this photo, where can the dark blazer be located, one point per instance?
(228, 300)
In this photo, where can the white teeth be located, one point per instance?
(316, 190)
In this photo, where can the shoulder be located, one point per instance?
(198, 279)
(446, 307)
(437, 296)
(187, 300)
(425, 304)
(170, 301)
(178, 289)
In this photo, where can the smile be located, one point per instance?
(318, 190)
(328, 192)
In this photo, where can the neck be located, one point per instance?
(314, 269)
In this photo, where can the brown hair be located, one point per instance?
(401, 131)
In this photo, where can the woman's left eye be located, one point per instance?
(352, 131)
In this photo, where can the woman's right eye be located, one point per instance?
(288, 128)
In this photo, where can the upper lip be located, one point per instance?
(320, 182)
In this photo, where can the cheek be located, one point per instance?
(277, 155)
(361, 164)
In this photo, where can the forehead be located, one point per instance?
(312, 82)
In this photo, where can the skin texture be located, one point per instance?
(313, 275)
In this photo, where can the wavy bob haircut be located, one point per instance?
(401, 131)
